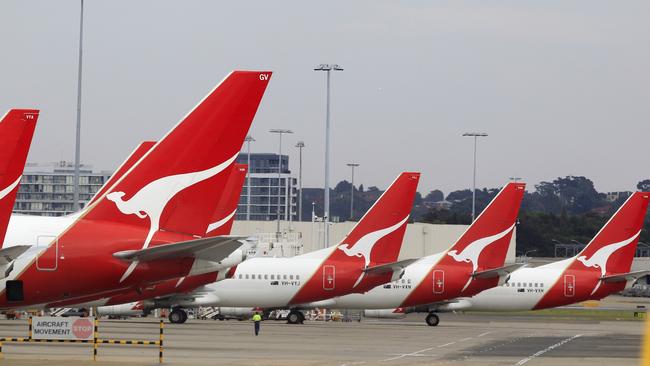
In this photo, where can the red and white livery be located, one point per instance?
(149, 226)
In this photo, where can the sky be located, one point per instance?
(561, 87)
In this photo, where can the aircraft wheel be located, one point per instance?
(293, 317)
(432, 320)
(184, 315)
(177, 316)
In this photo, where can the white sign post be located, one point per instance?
(70, 328)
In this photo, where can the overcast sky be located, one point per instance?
(562, 87)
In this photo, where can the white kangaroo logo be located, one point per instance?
(364, 245)
(601, 256)
(151, 200)
(9, 188)
(472, 251)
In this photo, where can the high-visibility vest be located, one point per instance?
(257, 318)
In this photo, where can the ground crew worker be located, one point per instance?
(257, 319)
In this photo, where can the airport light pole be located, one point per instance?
(77, 150)
(352, 165)
(476, 135)
(248, 140)
(279, 132)
(326, 202)
(300, 145)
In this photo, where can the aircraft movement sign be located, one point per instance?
(48, 327)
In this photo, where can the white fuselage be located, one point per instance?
(523, 290)
(263, 282)
(35, 230)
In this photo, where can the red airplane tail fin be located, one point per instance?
(177, 184)
(224, 214)
(16, 132)
(379, 234)
(485, 243)
(612, 250)
(135, 156)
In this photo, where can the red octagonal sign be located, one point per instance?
(82, 328)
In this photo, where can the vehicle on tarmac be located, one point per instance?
(366, 258)
(602, 268)
(473, 264)
(149, 226)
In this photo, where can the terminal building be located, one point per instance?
(264, 185)
(48, 189)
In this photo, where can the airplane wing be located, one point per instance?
(624, 277)
(498, 272)
(212, 249)
(389, 267)
(7, 255)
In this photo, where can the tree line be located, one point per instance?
(565, 210)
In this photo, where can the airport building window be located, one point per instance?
(530, 284)
(297, 277)
(240, 276)
(291, 277)
(284, 277)
(266, 277)
(246, 276)
(272, 277)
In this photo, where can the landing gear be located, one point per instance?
(295, 317)
(432, 320)
(178, 316)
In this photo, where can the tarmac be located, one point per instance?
(461, 339)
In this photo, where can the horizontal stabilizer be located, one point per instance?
(624, 277)
(8, 255)
(498, 272)
(389, 267)
(210, 249)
